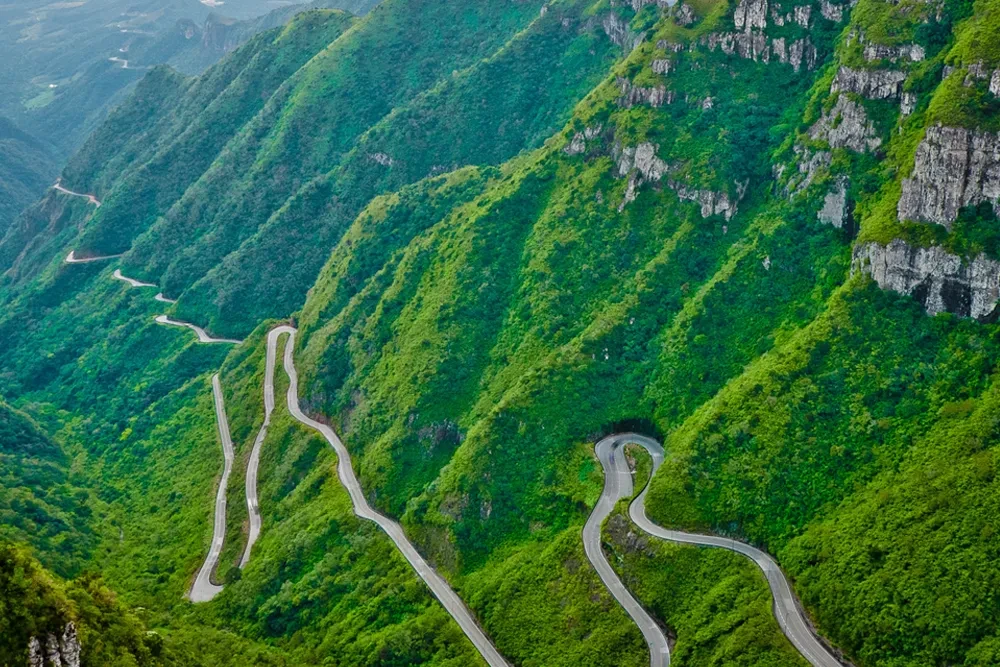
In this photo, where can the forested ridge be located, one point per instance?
(763, 229)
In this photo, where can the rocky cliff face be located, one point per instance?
(846, 125)
(954, 167)
(873, 84)
(750, 41)
(56, 651)
(633, 95)
(942, 282)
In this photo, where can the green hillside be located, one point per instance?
(764, 230)
(27, 167)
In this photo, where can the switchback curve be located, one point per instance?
(203, 589)
(71, 258)
(203, 336)
(57, 186)
(253, 509)
(787, 609)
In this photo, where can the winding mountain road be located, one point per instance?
(71, 258)
(131, 281)
(618, 485)
(203, 589)
(439, 587)
(203, 336)
(253, 509)
(90, 198)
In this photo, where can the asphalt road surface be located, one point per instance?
(787, 610)
(618, 485)
(203, 336)
(131, 281)
(90, 198)
(253, 508)
(203, 589)
(71, 258)
(439, 587)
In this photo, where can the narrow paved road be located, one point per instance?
(253, 508)
(203, 589)
(71, 258)
(203, 336)
(439, 587)
(90, 198)
(618, 485)
(131, 281)
(787, 610)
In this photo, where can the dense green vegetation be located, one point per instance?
(39, 502)
(27, 167)
(34, 604)
(503, 273)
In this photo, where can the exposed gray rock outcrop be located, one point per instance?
(831, 12)
(873, 84)
(58, 651)
(635, 95)
(578, 144)
(758, 47)
(751, 14)
(662, 66)
(636, 5)
(940, 281)
(809, 164)
(383, 159)
(979, 72)
(711, 202)
(954, 167)
(684, 15)
(835, 211)
(640, 165)
(912, 52)
(618, 32)
(846, 125)
(641, 159)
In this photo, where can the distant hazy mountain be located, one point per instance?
(71, 61)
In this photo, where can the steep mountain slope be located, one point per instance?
(345, 151)
(27, 167)
(39, 503)
(762, 229)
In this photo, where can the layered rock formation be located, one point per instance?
(954, 167)
(617, 30)
(873, 84)
(942, 282)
